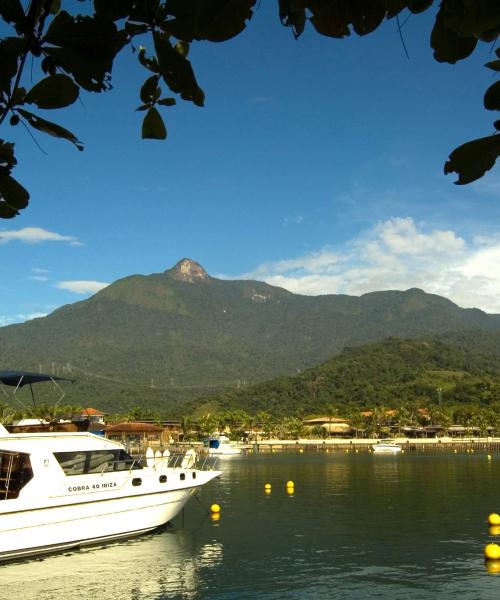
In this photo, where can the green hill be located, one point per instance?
(165, 338)
(388, 373)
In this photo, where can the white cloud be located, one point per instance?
(397, 254)
(38, 278)
(293, 220)
(36, 235)
(19, 318)
(82, 287)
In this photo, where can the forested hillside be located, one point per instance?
(388, 373)
(167, 338)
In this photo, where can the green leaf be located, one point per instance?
(7, 158)
(50, 128)
(153, 127)
(167, 101)
(135, 29)
(10, 51)
(471, 160)
(149, 63)
(13, 197)
(85, 48)
(330, 19)
(367, 16)
(182, 48)
(448, 45)
(418, 6)
(11, 11)
(55, 7)
(113, 9)
(176, 70)
(55, 91)
(214, 20)
(149, 89)
(494, 65)
(492, 97)
(293, 14)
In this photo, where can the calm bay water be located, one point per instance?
(357, 526)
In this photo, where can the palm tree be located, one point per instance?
(331, 412)
(6, 413)
(266, 421)
(186, 427)
(207, 424)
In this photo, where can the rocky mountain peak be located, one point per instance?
(188, 270)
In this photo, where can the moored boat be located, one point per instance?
(220, 445)
(60, 490)
(386, 447)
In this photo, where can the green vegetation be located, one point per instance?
(396, 374)
(74, 51)
(174, 347)
(379, 389)
(160, 341)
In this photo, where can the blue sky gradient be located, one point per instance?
(316, 165)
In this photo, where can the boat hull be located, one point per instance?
(29, 533)
(380, 449)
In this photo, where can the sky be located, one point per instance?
(315, 165)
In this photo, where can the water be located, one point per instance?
(357, 526)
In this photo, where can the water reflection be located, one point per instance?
(161, 565)
(356, 526)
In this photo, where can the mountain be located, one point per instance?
(388, 373)
(182, 333)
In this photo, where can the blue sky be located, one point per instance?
(315, 165)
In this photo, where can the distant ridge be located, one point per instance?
(184, 332)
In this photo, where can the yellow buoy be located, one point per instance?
(494, 519)
(215, 509)
(267, 486)
(492, 552)
(290, 484)
(215, 516)
(455, 451)
(489, 457)
(494, 530)
(493, 566)
(301, 450)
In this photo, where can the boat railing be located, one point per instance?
(178, 460)
(201, 462)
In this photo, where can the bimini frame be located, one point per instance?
(18, 379)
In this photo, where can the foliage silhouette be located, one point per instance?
(76, 51)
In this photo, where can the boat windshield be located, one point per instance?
(83, 462)
(15, 472)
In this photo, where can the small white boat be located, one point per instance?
(220, 445)
(386, 447)
(61, 490)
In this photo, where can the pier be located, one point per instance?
(431, 445)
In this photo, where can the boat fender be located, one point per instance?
(189, 459)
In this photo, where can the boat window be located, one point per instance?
(15, 472)
(95, 461)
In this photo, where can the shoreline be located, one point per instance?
(455, 445)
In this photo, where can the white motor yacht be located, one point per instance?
(61, 490)
(220, 445)
(386, 447)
